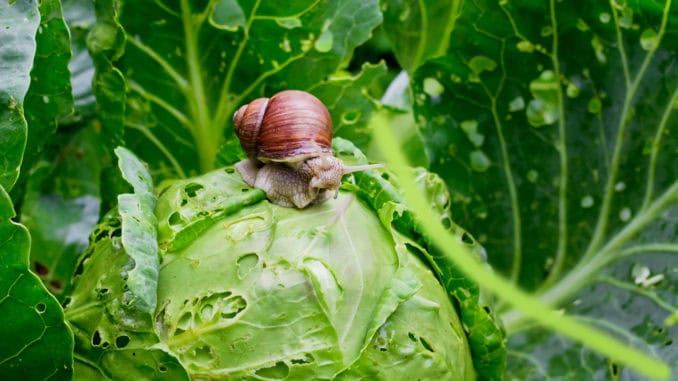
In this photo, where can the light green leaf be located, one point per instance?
(139, 232)
(19, 22)
(555, 206)
(418, 30)
(36, 343)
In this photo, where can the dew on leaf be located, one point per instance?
(572, 90)
(479, 161)
(470, 127)
(525, 46)
(648, 39)
(532, 176)
(325, 42)
(595, 106)
(288, 22)
(516, 104)
(586, 201)
(543, 109)
(480, 64)
(546, 31)
(625, 214)
(620, 186)
(432, 87)
(604, 17)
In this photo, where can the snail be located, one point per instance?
(288, 142)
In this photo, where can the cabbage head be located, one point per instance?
(245, 289)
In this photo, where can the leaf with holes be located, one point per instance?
(554, 127)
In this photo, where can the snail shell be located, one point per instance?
(300, 118)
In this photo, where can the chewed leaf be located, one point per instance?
(37, 343)
(139, 232)
(17, 47)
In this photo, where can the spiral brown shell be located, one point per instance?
(289, 127)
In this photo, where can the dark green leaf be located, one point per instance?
(62, 205)
(554, 127)
(49, 96)
(19, 23)
(36, 343)
(189, 67)
(418, 30)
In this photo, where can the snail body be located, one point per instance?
(288, 142)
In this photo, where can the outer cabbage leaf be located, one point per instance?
(558, 121)
(258, 275)
(486, 337)
(37, 343)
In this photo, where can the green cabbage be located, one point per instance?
(250, 290)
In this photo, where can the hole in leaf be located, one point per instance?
(40, 307)
(162, 368)
(41, 269)
(105, 344)
(467, 239)
(66, 302)
(487, 309)
(246, 263)
(447, 223)
(668, 342)
(307, 359)
(614, 369)
(385, 176)
(191, 189)
(204, 354)
(96, 339)
(426, 344)
(229, 170)
(243, 190)
(350, 117)
(206, 312)
(233, 306)
(412, 336)
(56, 285)
(121, 341)
(277, 371)
(184, 202)
(176, 219)
(103, 291)
(185, 321)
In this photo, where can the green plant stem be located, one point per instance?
(584, 272)
(205, 142)
(561, 251)
(655, 149)
(527, 305)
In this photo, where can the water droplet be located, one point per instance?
(586, 201)
(620, 186)
(479, 161)
(525, 46)
(516, 104)
(470, 127)
(285, 45)
(432, 87)
(532, 176)
(288, 23)
(480, 64)
(324, 42)
(595, 106)
(572, 90)
(625, 214)
(604, 17)
(45, 99)
(648, 39)
(543, 109)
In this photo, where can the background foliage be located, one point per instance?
(553, 125)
